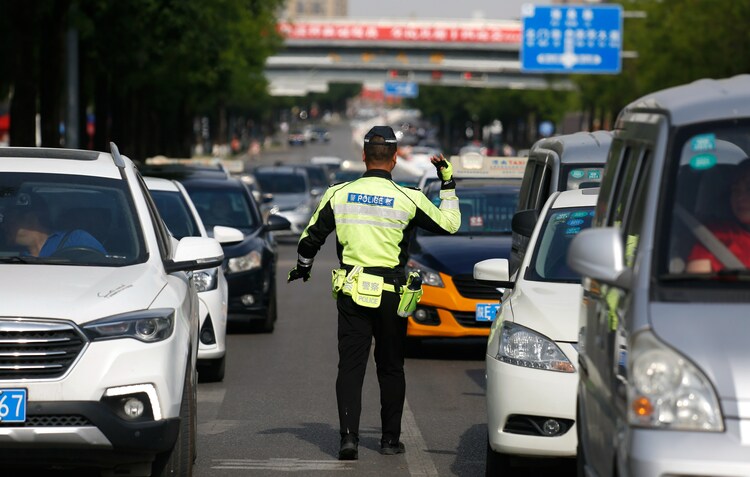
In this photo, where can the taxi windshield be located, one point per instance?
(581, 176)
(549, 261)
(708, 233)
(68, 220)
(486, 207)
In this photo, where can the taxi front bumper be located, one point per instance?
(448, 313)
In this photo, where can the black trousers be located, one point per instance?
(357, 326)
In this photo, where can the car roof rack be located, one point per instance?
(116, 157)
(49, 153)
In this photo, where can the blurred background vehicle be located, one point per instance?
(297, 138)
(293, 194)
(320, 134)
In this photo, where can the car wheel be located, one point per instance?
(270, 321)
(212, 370)
(497, 464)
(179, 460)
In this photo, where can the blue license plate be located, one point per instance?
(487, 311)
(12, 405)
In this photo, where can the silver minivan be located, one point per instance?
(664, 352)
(570, 161)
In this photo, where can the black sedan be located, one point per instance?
(250, 264)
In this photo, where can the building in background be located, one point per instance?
(316, 8)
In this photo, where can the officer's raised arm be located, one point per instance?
(445, 219)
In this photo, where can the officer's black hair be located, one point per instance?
(377, 150)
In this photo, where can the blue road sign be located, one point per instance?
(571, 39)
(401, 89)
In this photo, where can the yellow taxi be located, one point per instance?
(454, 304)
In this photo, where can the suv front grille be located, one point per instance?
(470, 288)
(37, 349)
(63, 420)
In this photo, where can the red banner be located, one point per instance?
(454, 33)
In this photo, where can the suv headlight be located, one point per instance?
(429, 276)
(206, 280)
(520, 346)
(667, 391)
(148, 326)
(244, 263)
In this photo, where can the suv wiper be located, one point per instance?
(18, 259)
(727, 275)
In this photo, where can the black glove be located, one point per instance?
(302, 270)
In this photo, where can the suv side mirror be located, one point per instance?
(277, 222)
(267, 198)
(228, 234)
(524, 222)
(316, 192)
(493, 272)
(598, 253)
(195, 253)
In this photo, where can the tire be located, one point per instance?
(212, 370)
(178, 462)
(580, 454)
(497, 464)
(271, 315)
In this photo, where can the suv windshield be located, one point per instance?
(549, 262)
(69, 220)
(227, 206)
(486, 207)
(709, 228)
(175, 212)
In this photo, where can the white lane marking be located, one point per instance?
(282, 465)
(418, 460)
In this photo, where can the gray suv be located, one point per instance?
(663, 357)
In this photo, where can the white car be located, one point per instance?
(532, 348)
(99, 317)
(182, 219)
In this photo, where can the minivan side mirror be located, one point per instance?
(195, 253)
(493, 272)
(228, 234)
(524, 222)
(277, 222)
(598, 253)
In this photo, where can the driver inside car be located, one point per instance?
(28, 225)
(734, 234)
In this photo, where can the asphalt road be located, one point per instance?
(275, 412)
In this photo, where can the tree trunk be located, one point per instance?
(23, 101)
(54, 22)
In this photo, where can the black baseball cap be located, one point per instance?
(386, 132)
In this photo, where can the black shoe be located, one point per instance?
(349, 447)
(392, 448)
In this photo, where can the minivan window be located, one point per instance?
(282, 182)
(708, 227)
(549, 261)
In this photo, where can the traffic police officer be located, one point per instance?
(373, 218)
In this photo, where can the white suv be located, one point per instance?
(99, 319)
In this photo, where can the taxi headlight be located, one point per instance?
(521, 346)
(429, 276)
(149, 326)
(667, 391)
(206, 280)
(244, 263)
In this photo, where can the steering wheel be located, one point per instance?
(78, 253)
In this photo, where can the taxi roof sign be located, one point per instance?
(472, 165)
